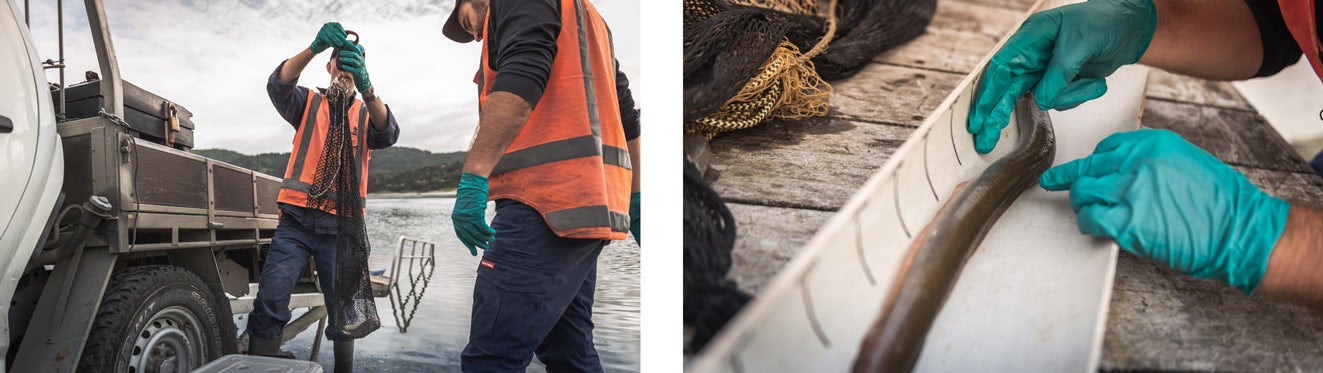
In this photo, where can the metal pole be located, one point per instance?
(59, 14)
(112, 88)
(27, 13)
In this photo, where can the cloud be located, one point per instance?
(214, 57)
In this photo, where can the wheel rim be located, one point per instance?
(171, 341)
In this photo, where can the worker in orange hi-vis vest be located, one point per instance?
(335, 133)
(1156, 194)
(557, 149)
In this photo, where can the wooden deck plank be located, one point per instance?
(960, 35)
(1175, 87)
(1020, 5)
(1294, 187)
(1237, 137)
(769, 237)
(1161, 319)
(891, 94)
(815, 164)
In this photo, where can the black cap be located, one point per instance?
(453, 30)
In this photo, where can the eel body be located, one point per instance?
(934, 261)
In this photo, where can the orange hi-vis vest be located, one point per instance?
(301, 170)
(570, 161)
(1301, 20)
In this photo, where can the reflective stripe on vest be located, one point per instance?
(570, 162)
(557, 151)
(1301, 21)
(307, 188)
(588, 216)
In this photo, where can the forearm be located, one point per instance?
(1207, 39)
(294, 65)
(502, 119)
(377, 110)
(634, 163)
(1293, 267)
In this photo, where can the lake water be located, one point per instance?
(440, 329)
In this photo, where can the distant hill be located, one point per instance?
(394, 169)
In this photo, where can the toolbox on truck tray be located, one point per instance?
(146, 113)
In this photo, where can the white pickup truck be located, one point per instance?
(119, 249)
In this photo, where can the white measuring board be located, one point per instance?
(1033, 297)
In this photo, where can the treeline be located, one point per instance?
(394, 169)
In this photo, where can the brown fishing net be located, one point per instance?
(335, 187)
(736, 67)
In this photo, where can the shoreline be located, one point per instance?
(432, 194)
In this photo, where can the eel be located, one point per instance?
(934, 261)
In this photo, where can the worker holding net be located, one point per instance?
(322, 196)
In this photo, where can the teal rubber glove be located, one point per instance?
(1165, 199)
(1064, 54)
(351, 60)
(634, 217)
(470, 213)
(331, 35)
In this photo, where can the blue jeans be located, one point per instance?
(301, 233)
(533, 295)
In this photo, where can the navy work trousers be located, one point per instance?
(533, 295)
(301, 233)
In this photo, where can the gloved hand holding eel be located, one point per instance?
(1063, 54)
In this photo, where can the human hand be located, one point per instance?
(1064, 54)
(351, 61)
(1165, 199)
(469, 215)
(331, 35)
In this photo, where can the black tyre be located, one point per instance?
(153, 319)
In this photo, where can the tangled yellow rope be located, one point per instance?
(788, 86)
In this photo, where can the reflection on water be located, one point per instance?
(440, 329)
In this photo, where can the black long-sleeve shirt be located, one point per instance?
(1279, 47)
(521, 46)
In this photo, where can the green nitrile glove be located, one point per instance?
(1165, 199)
(634, 216)
(1063, 54)
(351, 60)
(470, 213)
(331, 35)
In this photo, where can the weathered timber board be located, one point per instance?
(815, 164)
(1161, 319)
(768, 238)
(1241, 138)
(1019, 5)
(1302, 188)
(891, 94)
(959, 36)
(1175, 87)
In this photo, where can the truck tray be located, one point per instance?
(165, 198)
(145, 112)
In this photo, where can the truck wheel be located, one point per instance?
(155, 318)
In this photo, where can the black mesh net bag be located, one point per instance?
(335, 188)
(710, 299)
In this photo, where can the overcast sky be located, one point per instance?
(214, 57)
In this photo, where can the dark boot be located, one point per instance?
(267, 347)
(344, 357)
